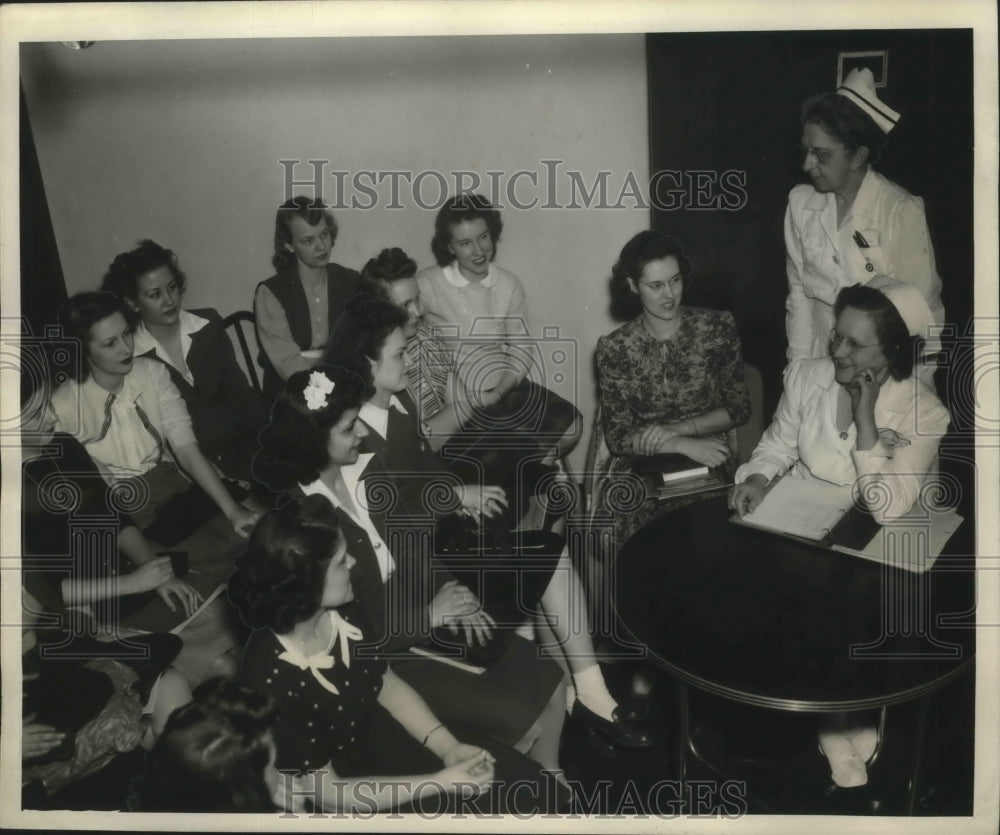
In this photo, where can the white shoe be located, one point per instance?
(847, 766)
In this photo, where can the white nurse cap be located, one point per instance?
(859, 87)
(908, 301)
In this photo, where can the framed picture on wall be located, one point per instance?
(877, 61)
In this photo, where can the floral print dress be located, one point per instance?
(646, 381)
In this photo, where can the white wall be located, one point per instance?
(180, 141)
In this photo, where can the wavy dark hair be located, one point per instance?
(84, 310)
(360, 332)
(642, 249)
(312, 212)
(123, 275)
(278, 581)
(391, 264)
(211, 755)
(894, 338)
(293, 444)
(846, 122)
(458, 209)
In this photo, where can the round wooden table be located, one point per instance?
(769, 621)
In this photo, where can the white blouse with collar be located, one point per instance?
(352, 480)
(145, 342)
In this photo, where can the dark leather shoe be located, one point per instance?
(637, 708)
(620, 732)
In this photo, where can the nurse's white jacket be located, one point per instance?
(803, 438)
(821, 259)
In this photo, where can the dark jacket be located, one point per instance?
(226, 412)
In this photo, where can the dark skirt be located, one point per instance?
(228, 436)
(177, 515)
(502, 702)
(520, 786)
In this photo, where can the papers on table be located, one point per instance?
(807, 508)
(913, 542)
(810, 509)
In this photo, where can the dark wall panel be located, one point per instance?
(43, 288)
(730, 102)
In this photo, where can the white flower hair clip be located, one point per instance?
(316, 390)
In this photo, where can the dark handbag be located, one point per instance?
(462, 550)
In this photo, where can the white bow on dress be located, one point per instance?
(323, 660)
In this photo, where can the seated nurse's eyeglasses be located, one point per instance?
(853, 346)
(822, 155)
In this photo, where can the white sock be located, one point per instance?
(864, 742)
(846, 765)
(570, 696)
(593, 692)
(527, 631)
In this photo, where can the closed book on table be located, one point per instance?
(670, 467)
(670, 475)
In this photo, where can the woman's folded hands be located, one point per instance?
(455, 606)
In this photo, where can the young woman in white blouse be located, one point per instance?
(131, 418)
(485, 307)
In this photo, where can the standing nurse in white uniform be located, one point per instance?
(851, 224)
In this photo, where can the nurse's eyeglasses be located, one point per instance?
(853, 346)
(822, 155)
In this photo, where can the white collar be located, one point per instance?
(352, 475)
(322, 660)
(454, 276)
(352, 478)
(94, 390)
(190, 323)
(378, 418)
(862, 209)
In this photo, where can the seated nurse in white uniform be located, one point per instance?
(850, 224)
(859, 416)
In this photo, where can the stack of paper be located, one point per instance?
(807, 508)
(913, 542)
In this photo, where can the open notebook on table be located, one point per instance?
(825, 514)
(805, 508)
